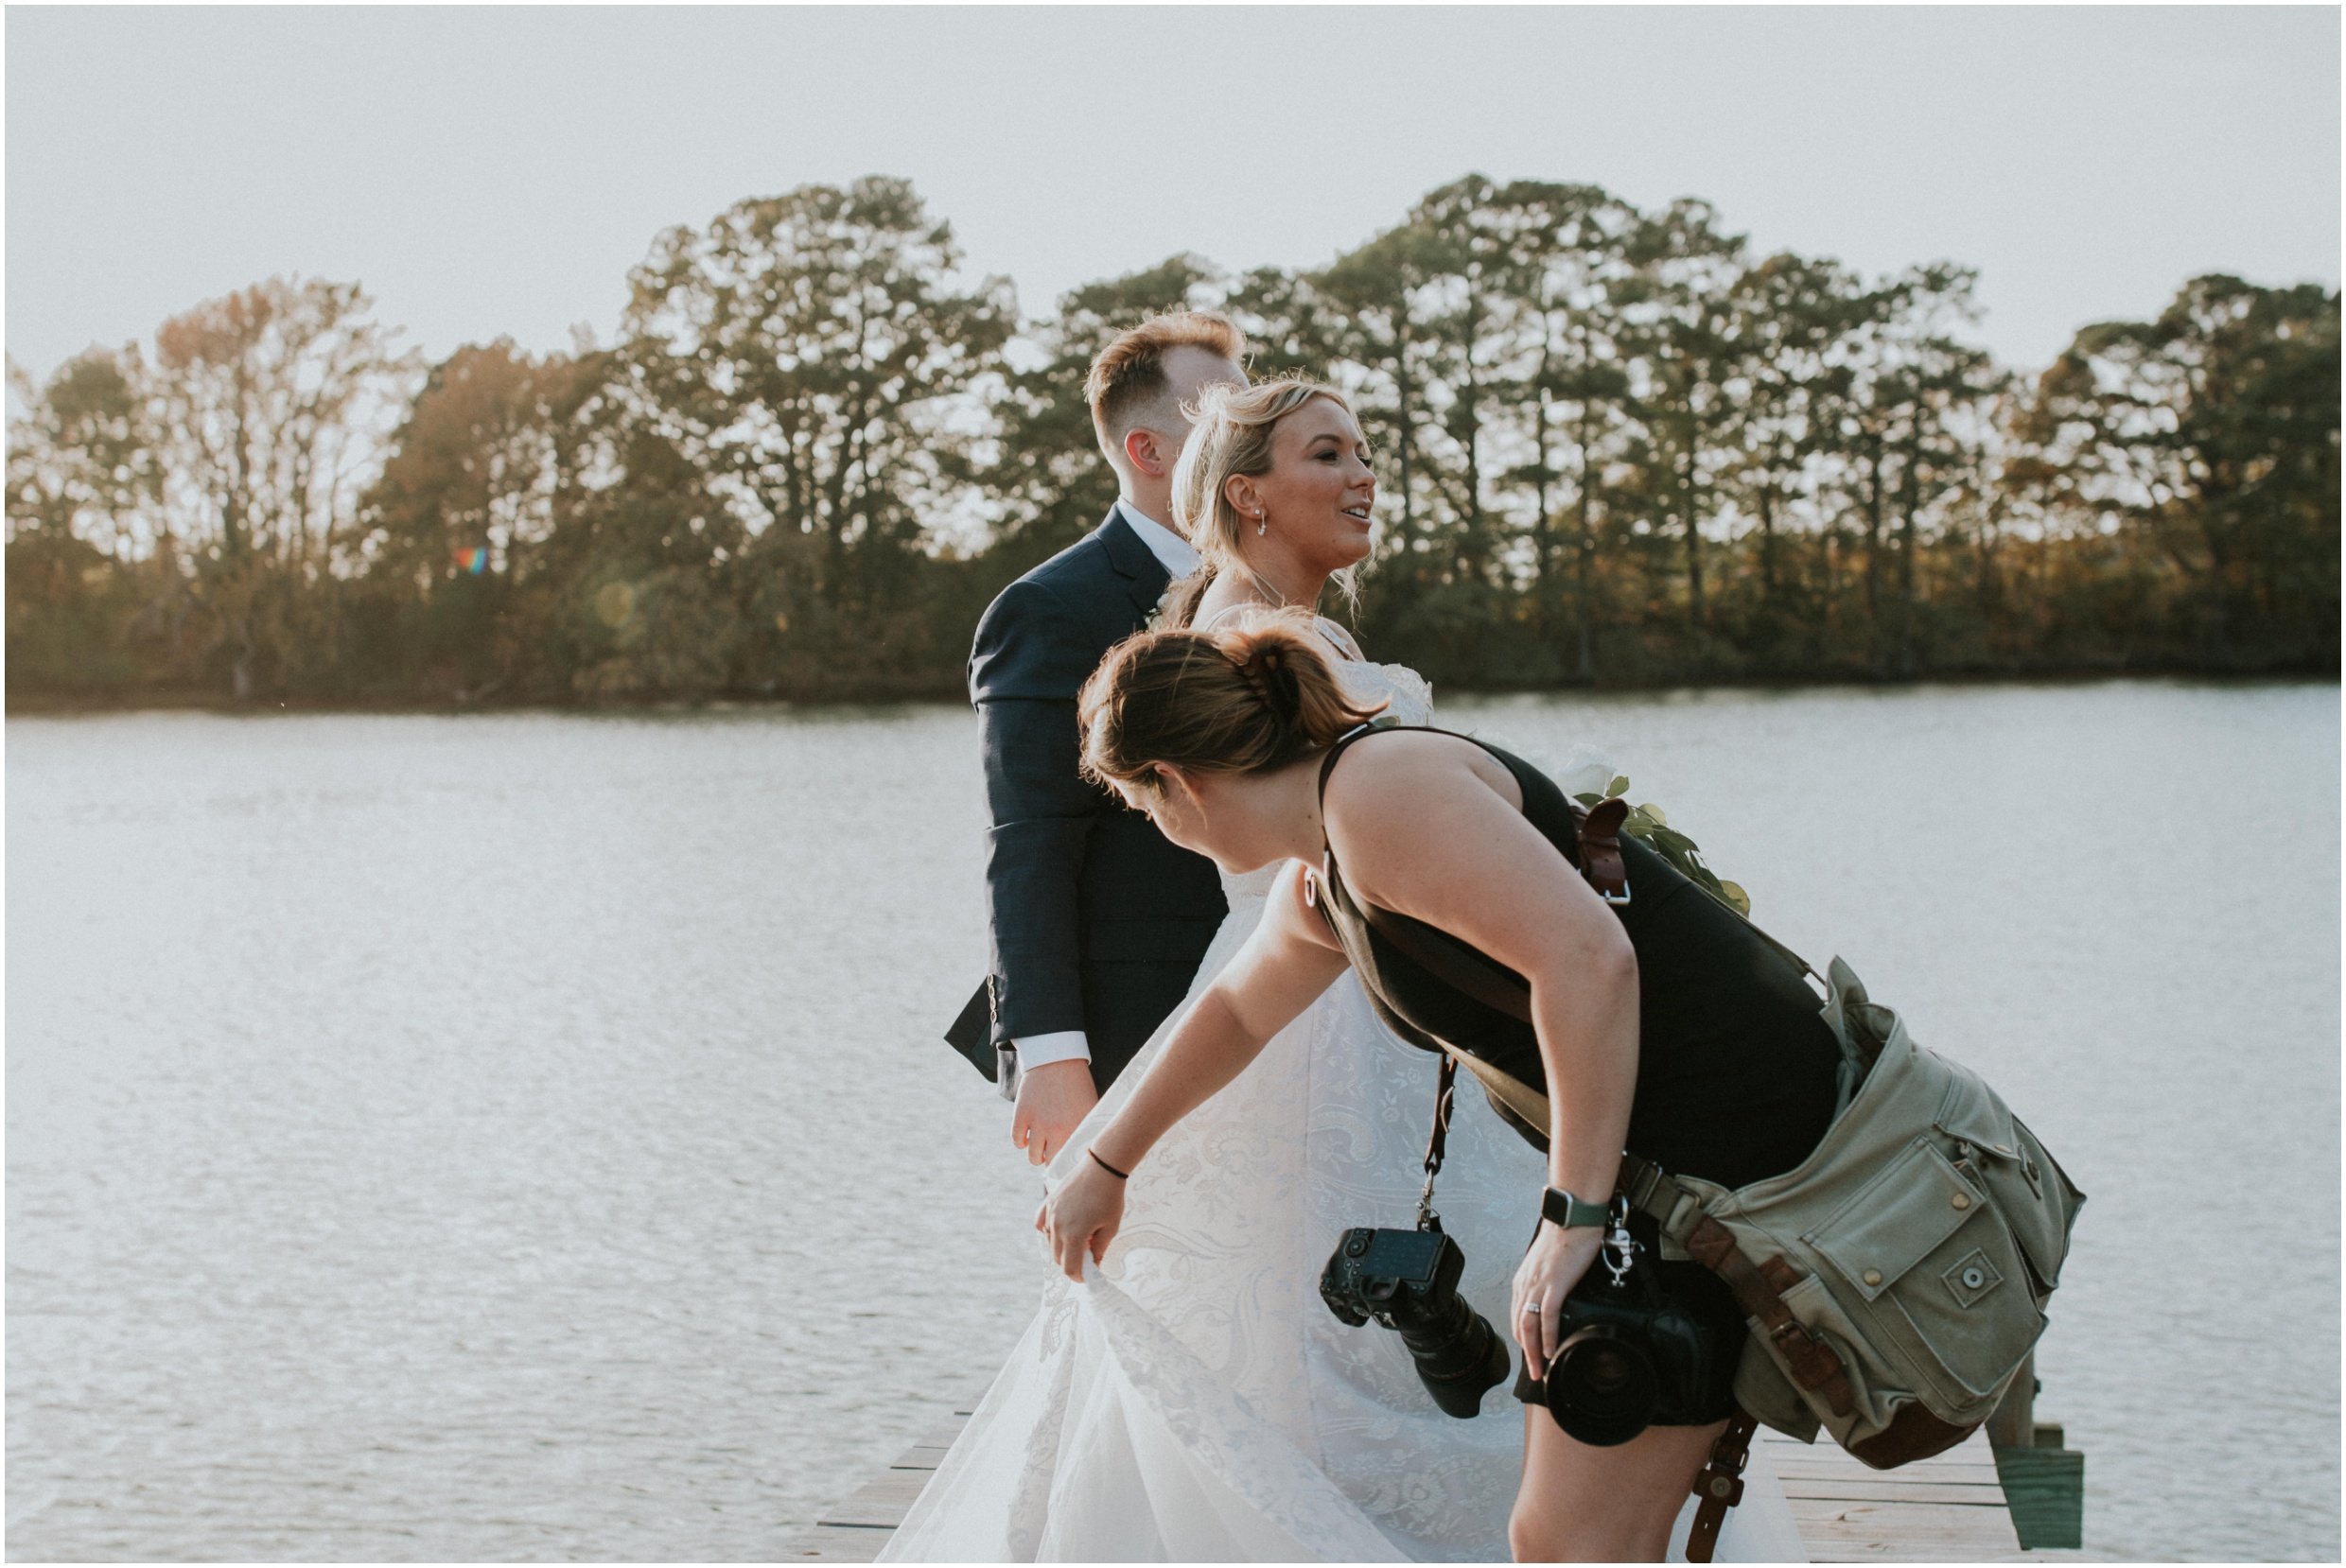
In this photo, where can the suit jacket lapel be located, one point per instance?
(1144, 577)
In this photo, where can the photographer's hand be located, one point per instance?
(1546, 1275)
(1083, 1216)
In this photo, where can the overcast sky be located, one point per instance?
(498, 171)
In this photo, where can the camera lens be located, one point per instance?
(1460, 1356)
(1608, 1373)
(1601, 1389)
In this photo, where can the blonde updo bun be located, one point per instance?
(1253, 695)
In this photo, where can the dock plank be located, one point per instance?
(1949, 1509)
(834, 1543)
(920, 1456)
(1904, 1532)
(880, 1502)
(1968, 1494)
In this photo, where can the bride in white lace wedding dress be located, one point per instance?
(1193, 1399)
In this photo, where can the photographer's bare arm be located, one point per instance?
(1411, 839)
(1432, 827)
(1282, 968)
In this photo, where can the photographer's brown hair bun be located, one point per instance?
(1254, 694)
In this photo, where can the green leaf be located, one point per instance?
(1734, 894)
(1654, 811)
(1619, 787)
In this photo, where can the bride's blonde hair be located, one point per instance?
(1253, 695)
(1230, 436)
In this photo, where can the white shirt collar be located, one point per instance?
(1180, 557)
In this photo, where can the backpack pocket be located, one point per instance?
(1995, 1150)
(1931, 1275)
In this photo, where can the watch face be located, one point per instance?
(1568, 1210)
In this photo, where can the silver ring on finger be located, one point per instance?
(1531, 1309)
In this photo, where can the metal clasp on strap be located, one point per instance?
(1620, 1246)
(1617, 898)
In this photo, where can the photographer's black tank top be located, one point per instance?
(1736, 1067)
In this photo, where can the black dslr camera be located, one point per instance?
(1407, 1281)
(1629, 1355)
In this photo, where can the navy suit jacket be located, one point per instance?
(1097, 922)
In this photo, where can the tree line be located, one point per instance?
(1615, 445)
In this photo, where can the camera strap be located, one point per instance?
(1445, 1088)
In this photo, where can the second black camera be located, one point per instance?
(1407, 1281)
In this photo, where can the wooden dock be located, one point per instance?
(1946, 1510)
(1950, 1509)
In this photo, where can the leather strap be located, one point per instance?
(1599, 831)
(1445, 1088)
(1720, 1485)
(1436, 1142)
(1759, 1290)
(1529, 1104)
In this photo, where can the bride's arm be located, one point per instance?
(1284, 966)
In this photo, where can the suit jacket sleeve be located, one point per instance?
(1032, 655)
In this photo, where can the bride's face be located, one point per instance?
(1316, 499)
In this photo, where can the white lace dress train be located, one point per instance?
(1193, 1399)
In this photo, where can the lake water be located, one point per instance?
(522, 1137)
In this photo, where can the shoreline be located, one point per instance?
(56, 705)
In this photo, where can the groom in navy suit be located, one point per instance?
(1097, 922)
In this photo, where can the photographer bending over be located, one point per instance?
(1663, 1024)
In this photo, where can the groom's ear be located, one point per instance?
(1144, 449)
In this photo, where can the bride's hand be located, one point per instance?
(1546, 1275)
(1082, 1215)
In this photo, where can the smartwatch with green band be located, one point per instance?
(1567, 1212)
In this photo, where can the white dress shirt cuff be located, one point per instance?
(1068, 1045)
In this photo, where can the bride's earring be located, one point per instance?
(1262, 525)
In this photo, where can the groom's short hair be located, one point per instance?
(1127, 380)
